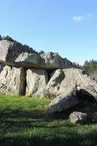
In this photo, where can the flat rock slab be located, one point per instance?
(54, 60)
(36, 80)
(15, 54)
(12, 81)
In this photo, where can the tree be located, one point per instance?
(76, 65)
(8, 38)
(0, 37)
(86, 63)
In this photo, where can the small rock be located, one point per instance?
(78, 117)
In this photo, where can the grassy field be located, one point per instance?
(27, 122)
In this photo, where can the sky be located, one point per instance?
(68, 27)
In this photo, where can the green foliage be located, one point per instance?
(76, 65)
(90, 66)
(27, 47)
(8, 38)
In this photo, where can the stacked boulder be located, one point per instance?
(25, 72)
(32, 74)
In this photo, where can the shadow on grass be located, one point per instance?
(67, 139)
(88, 108)
(40, 120)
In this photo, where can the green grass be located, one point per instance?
(27, 122)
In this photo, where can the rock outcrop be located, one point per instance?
(36, 81)
(29, 60)
(64, 101)
(15, 54)
(12, 81)
(63, 80)
(55, 61)
(18, 55)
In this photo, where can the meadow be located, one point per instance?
(27, 121)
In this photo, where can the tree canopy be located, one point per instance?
(90, 66)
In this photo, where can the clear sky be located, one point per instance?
(68, 27)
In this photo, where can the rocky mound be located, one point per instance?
(18, 55)
(43, 75)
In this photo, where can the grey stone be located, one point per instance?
(36, 81)
(15, 54)
(12, 81)
(63, 80)
(55, 61)
(29, 60)
(78, 117)
(64, 101)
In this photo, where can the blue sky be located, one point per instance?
(68, 27)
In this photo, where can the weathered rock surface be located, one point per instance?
(64, 101)
(36, 81)
(12, 81)
(78, 117)
(16, 54)
(65, 80)
(55, 61)
(29, 60)
(54, 83)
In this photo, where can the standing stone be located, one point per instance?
(12, 81)
(36, 81)
(65, 80)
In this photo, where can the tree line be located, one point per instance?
(88, 66)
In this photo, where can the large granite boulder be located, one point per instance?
(62, 81)
(36, 80)
(55, 61)
(12, 81)
(64, 101)
(16, 54)
(29, 60)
